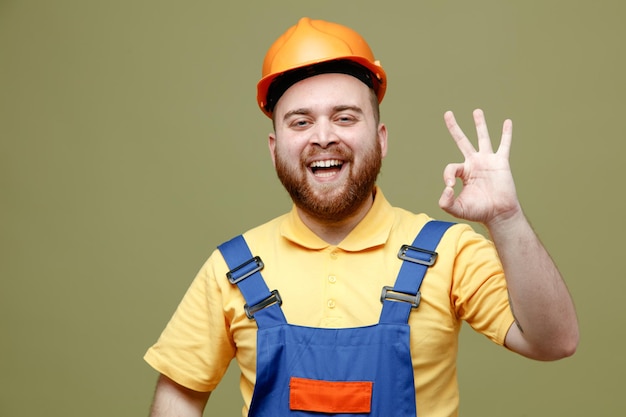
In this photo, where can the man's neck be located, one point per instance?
(333, 232)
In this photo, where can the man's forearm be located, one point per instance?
(541, 303)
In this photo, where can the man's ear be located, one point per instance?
(382, 138)
(271, 143)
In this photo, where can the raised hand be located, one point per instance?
(488, 194)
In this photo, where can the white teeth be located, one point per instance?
(325, 164)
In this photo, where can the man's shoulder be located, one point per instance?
(408, 223)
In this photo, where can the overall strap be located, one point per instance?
(417, 258)
(262, 304)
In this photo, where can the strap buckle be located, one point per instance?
(416, 255)
(244, 270)
(273, 298)
(390, 294)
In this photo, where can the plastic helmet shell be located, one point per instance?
(315, 41)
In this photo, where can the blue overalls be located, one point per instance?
(370, 372)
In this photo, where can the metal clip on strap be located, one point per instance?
(244, 270)
(417, 255)
(390, 294)
(274, 298)
(245, 273)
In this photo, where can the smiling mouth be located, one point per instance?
(326, 168)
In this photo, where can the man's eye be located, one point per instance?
(300, 123)
(345, 119)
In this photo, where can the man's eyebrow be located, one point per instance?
(345, 107)
(296, 112)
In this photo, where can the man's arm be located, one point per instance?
(173, 400)
(546, 326)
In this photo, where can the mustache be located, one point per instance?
(337, 151)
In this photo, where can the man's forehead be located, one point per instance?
(330, 78)
(330, 90)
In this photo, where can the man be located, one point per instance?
(323, 343)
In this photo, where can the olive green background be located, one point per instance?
(131, 145)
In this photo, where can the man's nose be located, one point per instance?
(324, 135)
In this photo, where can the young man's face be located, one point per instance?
(328, 146)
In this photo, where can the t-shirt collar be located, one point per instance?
(372, 231)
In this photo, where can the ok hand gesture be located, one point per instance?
(488, 193)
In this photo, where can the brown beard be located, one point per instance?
(327, 205)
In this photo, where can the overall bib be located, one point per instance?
(306, 371)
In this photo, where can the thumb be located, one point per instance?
(447, 200)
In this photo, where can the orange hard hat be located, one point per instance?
(312, 44)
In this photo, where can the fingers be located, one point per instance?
(451, 172)
(507, 137)
(446, 201)
(450, 204)
(462, 142)
(484, 143)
